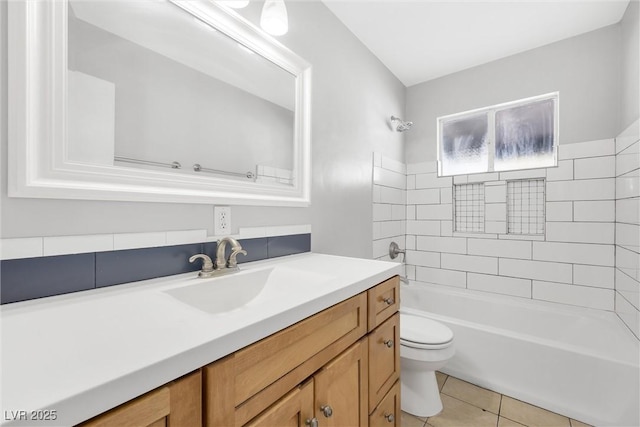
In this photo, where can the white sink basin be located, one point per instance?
(227, 293)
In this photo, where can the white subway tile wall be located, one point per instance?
(627, 227)
(393, 212)
(575, 260)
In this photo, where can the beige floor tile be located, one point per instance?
(477, 396)
(531, 415)
(457, 413)
(408, 420)
(576, 423)
(506, 422)
(441, 378)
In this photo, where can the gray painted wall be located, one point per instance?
(353, 96)
(630, 65)
(585, 70)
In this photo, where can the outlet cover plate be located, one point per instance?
(222, 220)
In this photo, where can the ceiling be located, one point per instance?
(420, 40)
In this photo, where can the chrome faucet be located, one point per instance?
(221, 266)
(236, 249)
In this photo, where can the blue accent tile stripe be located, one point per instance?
(288, 245)
(31, 278)
(117, 267)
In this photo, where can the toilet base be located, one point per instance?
(420, 394)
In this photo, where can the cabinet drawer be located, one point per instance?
(264, 362)
(384, 301)
(242, 385)
(384, 359)
(387, 414)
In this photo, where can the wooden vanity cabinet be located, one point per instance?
(242, 385)
(293, 410)
(384, 353)
(339, 367)
(335, 396)
(387, 413)
(383, 302)
(384, 359)
(177, 404)
(341, 388)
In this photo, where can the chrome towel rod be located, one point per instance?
(198, 168)
(173, 165)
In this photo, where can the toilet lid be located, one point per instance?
(420, 330)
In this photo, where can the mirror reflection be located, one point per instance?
(151, 86)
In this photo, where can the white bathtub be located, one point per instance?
(578, 362)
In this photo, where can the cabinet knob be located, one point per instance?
(389, 300)
(390, 418)
(388, 343)
(313, 422)
(326, 411)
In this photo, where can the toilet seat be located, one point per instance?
(422, 333)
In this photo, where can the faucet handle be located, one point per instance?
(233, 263)
(207, 264)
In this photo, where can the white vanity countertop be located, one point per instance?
(84, 353)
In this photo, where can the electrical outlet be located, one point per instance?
(222, 220)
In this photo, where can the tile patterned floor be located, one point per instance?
(467, 405)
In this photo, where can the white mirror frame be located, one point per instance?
(37, 120)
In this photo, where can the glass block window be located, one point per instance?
(515, 135)
(525, 206)
(469, 208)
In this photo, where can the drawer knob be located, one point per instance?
(313, 422)
(326, 411)
(390, 418)
(389, 300)
(388, 343)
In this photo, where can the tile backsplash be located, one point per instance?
(46, 266)
(575, 255)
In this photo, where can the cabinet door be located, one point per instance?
(293, 410)
(341, 389)
(186, 401)
(384, 359)
(177, 404)
(150, 410)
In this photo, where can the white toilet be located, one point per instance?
(425, 346)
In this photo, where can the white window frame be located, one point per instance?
(491, 128)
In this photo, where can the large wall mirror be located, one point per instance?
(163, 100)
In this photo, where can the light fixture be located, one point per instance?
(274, 19)
(234, 4)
